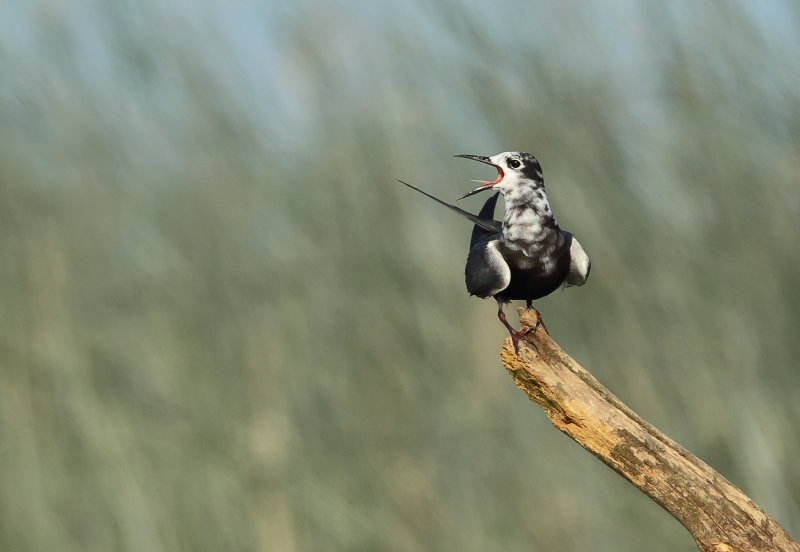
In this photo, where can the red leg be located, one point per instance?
(515, 334)
(540, 322)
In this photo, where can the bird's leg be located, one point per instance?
(515, 334)
(539, 321)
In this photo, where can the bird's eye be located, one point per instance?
(514, 163)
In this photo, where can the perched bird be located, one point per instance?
(527, 255)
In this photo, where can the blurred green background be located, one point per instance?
(226, 327)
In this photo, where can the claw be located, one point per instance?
(517, 335)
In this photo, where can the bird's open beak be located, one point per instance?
(486, 184)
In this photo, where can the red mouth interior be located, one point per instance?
(500, 176)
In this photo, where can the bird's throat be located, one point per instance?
(528, 215)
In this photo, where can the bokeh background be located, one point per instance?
(224, 325)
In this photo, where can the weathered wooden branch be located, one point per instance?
(719, 516)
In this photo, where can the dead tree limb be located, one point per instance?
(719, 516)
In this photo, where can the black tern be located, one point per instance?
(526, 256)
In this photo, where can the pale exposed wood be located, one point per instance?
(719, 516)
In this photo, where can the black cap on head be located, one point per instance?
(530, 165)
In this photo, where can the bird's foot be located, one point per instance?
(539, 321)
(516, 336)
(522, 334)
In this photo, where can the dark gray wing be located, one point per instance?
(486, 212)
(579, 263)
(485, 223)
(487, 272)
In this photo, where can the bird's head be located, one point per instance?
(515, 169)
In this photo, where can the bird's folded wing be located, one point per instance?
(487, 272)
(579, 263)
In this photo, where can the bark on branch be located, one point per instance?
(719, 516)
